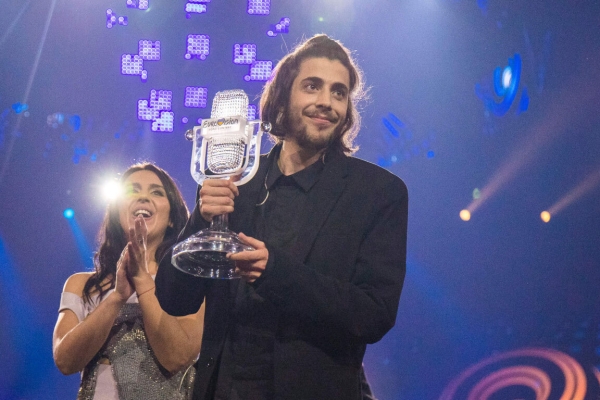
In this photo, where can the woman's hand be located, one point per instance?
(250, 264)
(123, 287)
(138, 257)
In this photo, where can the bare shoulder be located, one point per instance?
(76, 282)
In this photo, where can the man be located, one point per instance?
(330, 237)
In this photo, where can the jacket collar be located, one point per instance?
(321, 199)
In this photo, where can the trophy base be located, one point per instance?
(203, 254)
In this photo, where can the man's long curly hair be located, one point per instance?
(275, 98)
(112, 238)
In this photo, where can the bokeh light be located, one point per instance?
(111, 190)
(545, 216)
(68, 213)
(465, 215)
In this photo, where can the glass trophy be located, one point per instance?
(225, 145)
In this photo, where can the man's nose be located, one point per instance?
(324, 99)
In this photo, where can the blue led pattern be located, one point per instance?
(282, 27)
(197, 46)
(195, 97)
(149, 50)
(195, 7)
(252, 112)
(139, 4)
(260, 71)
(133, 64)
(112, 19)
(157, 110)
(259, 7)
(244, 53)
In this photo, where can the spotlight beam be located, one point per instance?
(14, 23)
(576, 97)
(36, 62)
(578, 191)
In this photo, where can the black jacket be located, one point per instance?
(336, 290)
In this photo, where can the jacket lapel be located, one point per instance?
(321, 200)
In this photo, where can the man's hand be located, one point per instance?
(250, 264)
(216, 197)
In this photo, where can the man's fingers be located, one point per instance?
(219, 186)
(257, 244)
(217, 192)
(251, 255)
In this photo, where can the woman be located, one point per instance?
(110, 325)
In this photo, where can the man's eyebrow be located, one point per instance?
(314, 79)
(320, 81)
(340, 86)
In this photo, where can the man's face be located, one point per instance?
(318, 103)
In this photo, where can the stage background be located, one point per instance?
(502, 290)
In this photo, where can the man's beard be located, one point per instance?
(305, 141)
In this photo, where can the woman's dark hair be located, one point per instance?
(275, 98)
(112, 238)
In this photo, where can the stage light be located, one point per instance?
(545, 216)
(111, 190)
(505, 87)
(506, 77)
(465, 215)
(476, 194)
(69, 213)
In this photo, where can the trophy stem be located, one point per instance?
(219, 223)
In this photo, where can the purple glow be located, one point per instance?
(139, 4)
(260, 71)
(281, 27)
(259, 7)
(195, 97)
(157, 110)
(112, 19)
(149, 50)
(197, 46)
(244, 53)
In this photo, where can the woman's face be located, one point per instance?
(145, 195)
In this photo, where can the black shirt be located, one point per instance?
(246, 365)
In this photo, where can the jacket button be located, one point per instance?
(210, 362)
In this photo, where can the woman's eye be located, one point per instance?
(158, 193)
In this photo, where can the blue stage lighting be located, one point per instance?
(68, 213)
(506, 85)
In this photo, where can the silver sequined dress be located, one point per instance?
(135, 368)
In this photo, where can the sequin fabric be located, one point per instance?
(134, 366)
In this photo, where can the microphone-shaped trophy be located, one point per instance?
(223, 146)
